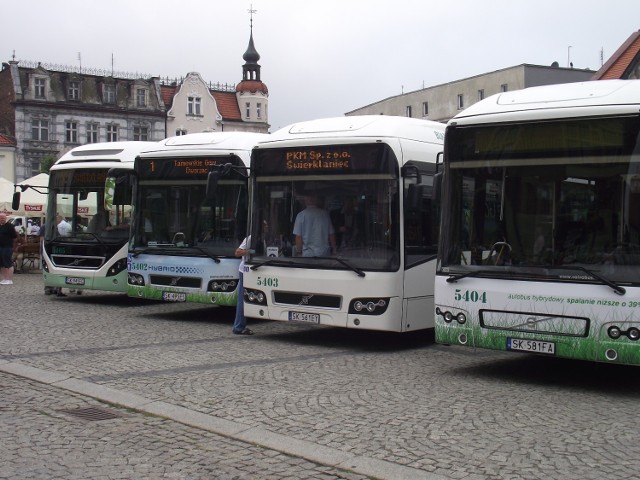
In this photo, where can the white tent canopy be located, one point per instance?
(32, 203)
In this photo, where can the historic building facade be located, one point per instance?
(46, 110)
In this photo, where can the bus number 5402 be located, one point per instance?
(470, 296)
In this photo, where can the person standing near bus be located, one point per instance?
(315, 234)
(240, 322)
(8, 240)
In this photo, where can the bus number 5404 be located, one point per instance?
(470, 296)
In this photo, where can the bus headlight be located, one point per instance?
(614, 332)
(371, 306)
(135, 279)
(633, 334)
(225, 286)
(117, 267)
(254, 296)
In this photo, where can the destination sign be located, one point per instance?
(79, 178)
(340, 159)
(181, 168)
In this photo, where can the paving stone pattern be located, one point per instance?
(448, 412)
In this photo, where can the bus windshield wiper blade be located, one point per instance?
(213, 257)
(454, 277)
(345, 263)
(617, 288)
(271, 261)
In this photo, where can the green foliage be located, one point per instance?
(46, 162)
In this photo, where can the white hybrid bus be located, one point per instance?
(89, 249)
(540, 245)
(372, 176)
(183, 242)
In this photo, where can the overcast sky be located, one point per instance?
(318, 58)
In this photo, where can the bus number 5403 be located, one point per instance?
(267, 282)
(470, 296)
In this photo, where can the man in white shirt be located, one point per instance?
(64, 227)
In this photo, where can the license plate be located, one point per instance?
(304, 317)
(533, 346)
(174, 297)
(74, 280)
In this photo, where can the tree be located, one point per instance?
(47, 161)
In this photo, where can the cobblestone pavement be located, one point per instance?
(313, 402)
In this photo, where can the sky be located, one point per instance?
(318, 58)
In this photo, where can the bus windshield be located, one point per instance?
(558, 199)
(174, 214)
(355, 185)
(76, 198)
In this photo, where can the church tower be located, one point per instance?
(251, 92)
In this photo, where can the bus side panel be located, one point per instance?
(184, 279)
(83, 279)
(542, 318)
(418, 292)
(307, 286)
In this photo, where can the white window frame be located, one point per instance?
(74, 90)
(247, 107)
(259, 110)
(425, 109)
(71, 131)
(194, 105)
(112, 132)
(39, 87)
(180, 132)
(460, 101)
(93, 132)
(109, 93)
(40, 130)
(141, 97)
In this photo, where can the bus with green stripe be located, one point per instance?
(540, 232)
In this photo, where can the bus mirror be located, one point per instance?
(15, 202)
(117, 187)
(410, 170)
(437, 187)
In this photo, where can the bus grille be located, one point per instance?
(307, 299)
(73, 261)
(175, 281)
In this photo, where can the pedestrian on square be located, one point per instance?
(8, 241)
(240, 322)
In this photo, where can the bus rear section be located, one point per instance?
(370, 263)
(85, 244)
(184, 238)
(540, 246)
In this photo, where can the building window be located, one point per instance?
(39, 84)
(71, 131)
(141, 97)
(92, 132)
(460, 101)
(247, 107)
(480, 94)
(193, 106)
(40, 130)
(74, 90)
(425, 109)
(109, 94)
(408, 112)
(504, 87)
(141, 134)
(259, 110)
(112, 133)
(180, 132)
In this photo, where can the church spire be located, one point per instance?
(251, 69)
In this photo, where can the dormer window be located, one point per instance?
(109, 93)
(141, 97)
(74, 90)
(39, 86)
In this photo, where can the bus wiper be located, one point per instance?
(617, 288)
(144, 250)
(454, 277)
(215, 258)
(271, 261)
(345, 263)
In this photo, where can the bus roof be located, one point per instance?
(215, 140)
(106, 151)
(600, 97)
(365, 126)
